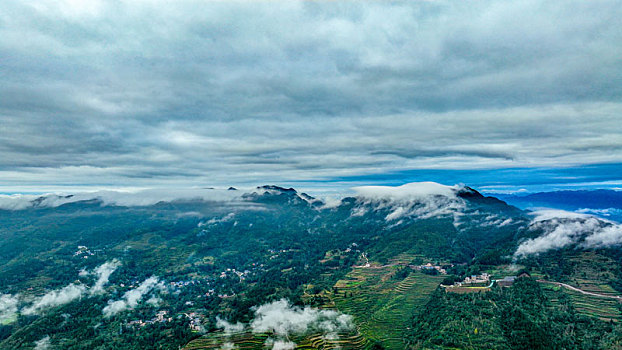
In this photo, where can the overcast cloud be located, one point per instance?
(151, 93)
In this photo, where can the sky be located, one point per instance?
(500, 95)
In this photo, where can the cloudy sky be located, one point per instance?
(130, 94)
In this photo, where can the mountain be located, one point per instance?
(273, 267)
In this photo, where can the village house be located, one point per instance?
(509, 280)
(506, 281)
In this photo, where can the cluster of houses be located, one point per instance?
(225, 295)
(84, 252)
(241, 274)
(484, 278)
(473, 279)
(352, 248)
(180, 284)
(161, 316)
(276, 253)
(195, 321)
(210, 292)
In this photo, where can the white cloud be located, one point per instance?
(562, 229)
(70, 292)
(143, 197)
(495, 220)
(420, 199)
(280, 344)
(506, 222)
(331, 201)
(154, 301)
(415, 190)
(282, 319)
(544, 215)
(8, 308)
(16, 201)
(103, 273)
(44, 343)
(229, 328)
(132, 297)
(228, 346)
(55, 298)
(607, 212)
(607, 236)
(212, 221)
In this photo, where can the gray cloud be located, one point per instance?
(123, 93)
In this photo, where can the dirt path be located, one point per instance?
(617, 297)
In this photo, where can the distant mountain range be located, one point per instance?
(604, 203)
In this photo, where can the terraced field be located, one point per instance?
(381, 305)
(596, 287)
(603, 308)
(218, 341)
(246, 340)
(345, 341)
